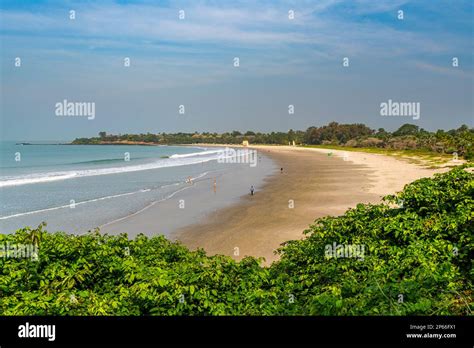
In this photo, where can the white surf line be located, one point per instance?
(143, 209)
(65, 175)
(195, 154)
(80, 203)
(68, 205)
(154, 202)
(93, 200)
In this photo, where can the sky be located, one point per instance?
(189, 61)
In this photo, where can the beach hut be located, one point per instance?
(245, 143)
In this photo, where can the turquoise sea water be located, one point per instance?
(79, 187)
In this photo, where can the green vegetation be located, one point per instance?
(417, 260)
(407, 138)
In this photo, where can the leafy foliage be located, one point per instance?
(407, 137)
(417, 261)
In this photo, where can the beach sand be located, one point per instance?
(315, 183)
(192, 202)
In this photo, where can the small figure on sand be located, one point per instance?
(215, 185)
(251, 190)
(281, 170)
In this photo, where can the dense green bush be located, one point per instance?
(417, 259)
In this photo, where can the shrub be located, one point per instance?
(416, 260)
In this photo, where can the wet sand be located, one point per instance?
(221, 187)
(314, 183)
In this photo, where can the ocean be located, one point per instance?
(76, 188)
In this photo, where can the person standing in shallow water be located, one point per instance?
(251, 190)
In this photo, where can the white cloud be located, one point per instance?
(213, 34)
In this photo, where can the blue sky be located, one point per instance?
(190, 62)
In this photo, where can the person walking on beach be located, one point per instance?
(281, 170)
(251, 190)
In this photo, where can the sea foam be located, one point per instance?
(173, 161)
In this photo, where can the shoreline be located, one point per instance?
(315, 182)
(218, 187)
(319, 182)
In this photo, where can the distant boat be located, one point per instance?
(24, 144)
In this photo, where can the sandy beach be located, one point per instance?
(314, 183)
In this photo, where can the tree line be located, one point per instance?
(407, 137)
